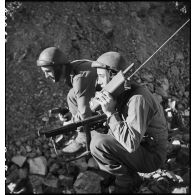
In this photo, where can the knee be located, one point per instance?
(99, 142)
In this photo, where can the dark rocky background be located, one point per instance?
(86, 30)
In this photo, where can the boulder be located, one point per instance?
(181, 190)
(54, 168)
(175, 71)
(66, 180)
(38, 165)
(92, 163)
(88, 182)
(19, 160)
(23, 173)
(28, 148)
(51, 182)
(81, 164)
(13, 176)
(36, 182)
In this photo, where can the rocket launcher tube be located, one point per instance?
(114, 87)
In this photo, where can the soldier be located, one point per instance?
(137, 137)
(81, 77)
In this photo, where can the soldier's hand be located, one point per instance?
(106, 101)
(65, 117)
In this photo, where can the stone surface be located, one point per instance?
(19, 160)
(92, 163)
(38, 165)
(36, 182)
(88, 182)
(51, 182)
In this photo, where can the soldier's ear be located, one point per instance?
(111, 74)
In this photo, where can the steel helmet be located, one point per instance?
(51, 56)
(111, 61)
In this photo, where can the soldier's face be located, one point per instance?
(52, 74)
(49, 72)
(103, 77)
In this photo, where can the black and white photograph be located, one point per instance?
(97, 97)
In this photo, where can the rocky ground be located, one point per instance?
(86, 30)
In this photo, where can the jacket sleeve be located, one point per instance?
(129, 132)
(84, 90)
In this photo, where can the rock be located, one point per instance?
(133, 14)
(180, 107)
(62, 171)
(186, 93)
(92, 163)
(18, 143)
(179, 56)
(37, 142)
(38, 152)
(107, 27)
(88, 182)
(45, 119)
(181, 190)
(23, 173)
(187, 112)
(36, 182)
(52, 182)
(54, 168)
(19, 160)
(53, 155)
(22, 150)
(46, 153)
(72, 169)
(183, 156)
(175, 71)
(66, 180)
(81, 164)
(13, 176)
(28, 148)
(38, 165)
(31, 155)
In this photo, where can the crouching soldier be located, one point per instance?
(137, 137)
